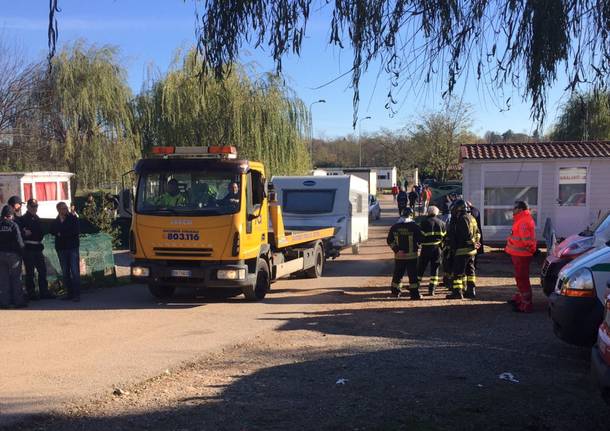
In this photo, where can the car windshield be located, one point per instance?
(188, 192)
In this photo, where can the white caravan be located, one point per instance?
(340, 201)
(386, 177)
(367, 174)
(48, 188)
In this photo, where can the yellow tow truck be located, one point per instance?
(201, 219)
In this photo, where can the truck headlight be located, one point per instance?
(580, 284)
(140, 271)
(231, 274)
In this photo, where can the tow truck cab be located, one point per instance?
(201, 219)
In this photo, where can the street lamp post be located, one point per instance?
(311, 128)
(359, 140)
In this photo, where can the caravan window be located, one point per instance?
(308, 201)
(27, 191)
(63, 190)
(46, 191)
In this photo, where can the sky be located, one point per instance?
(148, 33)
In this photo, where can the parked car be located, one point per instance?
(571, 248)
(576, 306)
(374, 208)
(600, 354)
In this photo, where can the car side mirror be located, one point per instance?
(256, 212)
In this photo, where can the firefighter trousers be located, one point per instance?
(430, 255)
(463, 272)
(400, 267)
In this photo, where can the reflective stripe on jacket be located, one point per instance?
(522, 239)
(464, 235)
(405, 238)
(434, 231)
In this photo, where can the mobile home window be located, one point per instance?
(27, 191)
(63, 190)
(308, 201)
(46, 191)
(502, 189)
(573, 186)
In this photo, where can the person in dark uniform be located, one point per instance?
(33, 258)
(474, 211)
(433, 231)
(404, 238)
(65, 228)
(402, 200)
(464, 239)
(11, 247)
(413, 197)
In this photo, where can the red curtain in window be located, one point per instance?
(27, 191)
(46, 191)
(63, 191)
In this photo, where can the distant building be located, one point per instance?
(567, 182)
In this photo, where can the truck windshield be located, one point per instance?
(189, 192)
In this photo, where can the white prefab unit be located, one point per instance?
(48, 188)
(387, 177)
(339, 201)
(566, 182)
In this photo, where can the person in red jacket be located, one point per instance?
(521, 246)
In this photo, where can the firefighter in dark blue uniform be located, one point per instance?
(434, 232)
(404, 238)
(464, 237)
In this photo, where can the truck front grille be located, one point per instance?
(182, 252)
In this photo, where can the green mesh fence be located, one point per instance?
(96, 260)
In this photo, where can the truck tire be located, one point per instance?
(263, 278)
(316, 270)
(161, 292)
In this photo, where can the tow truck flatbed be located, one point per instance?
(292, 238)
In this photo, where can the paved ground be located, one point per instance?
(336, 353)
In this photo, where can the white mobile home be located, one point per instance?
(48, 188)
(367, 174)
(386, 177)
(567, 182)
(340, 201)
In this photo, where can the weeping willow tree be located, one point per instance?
(261, 117)
(90, 116)
(584, 117)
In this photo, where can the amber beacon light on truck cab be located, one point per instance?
(201, 219)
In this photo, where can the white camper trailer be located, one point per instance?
(48, 188)
(340, 201)
(386, 177)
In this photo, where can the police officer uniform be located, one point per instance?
(11, 246)
(404, 238)
(464, 237)
(33, 257)
(434, 232)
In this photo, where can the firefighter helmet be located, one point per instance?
(406, 212)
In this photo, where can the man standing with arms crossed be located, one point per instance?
(521, 246)
(66, 230)
(33, 257)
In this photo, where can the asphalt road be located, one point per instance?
(58, 353)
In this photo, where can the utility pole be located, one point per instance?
(359, 141)
(311, 129)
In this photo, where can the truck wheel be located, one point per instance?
(161, 292)
(258, 291)
(316, 270)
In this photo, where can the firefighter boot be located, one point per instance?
(414, 294)
(455, 294)
(470, 293)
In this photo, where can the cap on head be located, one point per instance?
(14, 200)
(521, 205)
(459, 206)
(7, 211)
(433, 211)
(406, 212)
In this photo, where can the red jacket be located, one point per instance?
(522, 239)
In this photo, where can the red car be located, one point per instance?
(600, 354)
(569, 249)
